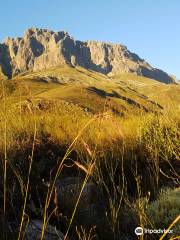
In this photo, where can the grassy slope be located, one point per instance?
(126, 98)
(166, 94)
(123, 94)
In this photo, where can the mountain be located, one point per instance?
(40, 49)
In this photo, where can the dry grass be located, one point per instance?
(130, 158)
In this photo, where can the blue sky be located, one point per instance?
(150, 28)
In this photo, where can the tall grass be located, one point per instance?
(129, 160)
(4, 163)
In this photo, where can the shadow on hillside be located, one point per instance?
(114, 94)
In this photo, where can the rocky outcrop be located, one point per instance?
(40, 49)
(90, 207)
(34, 229)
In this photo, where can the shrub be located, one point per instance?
(165, 210)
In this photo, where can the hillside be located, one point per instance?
(40, 49)
(122, 95)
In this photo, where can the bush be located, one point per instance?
(165, 210)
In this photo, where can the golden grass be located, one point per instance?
(104, 141)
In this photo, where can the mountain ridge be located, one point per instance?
(41, 48)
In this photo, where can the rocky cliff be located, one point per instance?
(41, 48)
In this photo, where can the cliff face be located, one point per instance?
(40, 49)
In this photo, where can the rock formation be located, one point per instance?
(41, 48)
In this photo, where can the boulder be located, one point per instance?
(90, 209)
(34, 229)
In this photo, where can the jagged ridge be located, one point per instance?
(41, 49)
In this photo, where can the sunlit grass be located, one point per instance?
(130, 156)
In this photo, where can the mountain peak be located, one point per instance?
(42, 48)
(43, 32)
